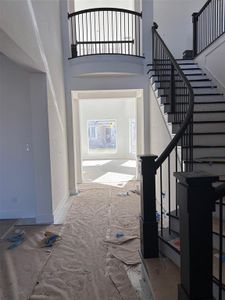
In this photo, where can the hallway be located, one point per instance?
(92, 261)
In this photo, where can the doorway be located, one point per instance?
(108, 136)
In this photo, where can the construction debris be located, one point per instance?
(50, 239)
(16, 238)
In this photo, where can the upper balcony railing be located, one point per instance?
(105, 31)
(208, 25)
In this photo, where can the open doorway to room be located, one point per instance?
(109, 142)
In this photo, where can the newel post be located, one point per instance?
(148, 222)
(196, 198)
(195, 33)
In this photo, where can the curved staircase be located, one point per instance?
(208, 117)
(208, 156)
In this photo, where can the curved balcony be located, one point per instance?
(103, 31)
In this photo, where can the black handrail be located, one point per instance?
(208, 25)
(84, 11)
(189, 114)
(105, 31)
(178, 99)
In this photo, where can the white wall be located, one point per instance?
(160, 137)
(17, 181)
(213, 62)
(86, 4)
(121, 110)
(36, 31)
(48, 16)
(174, 18)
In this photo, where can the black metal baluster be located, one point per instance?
(169, 194)
(132, 34)
(121, 44)
(79, 36)
(220, 247)
(108, 32)
(161, 201)
(112, 31)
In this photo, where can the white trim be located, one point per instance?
(15, 214)
(61, 210)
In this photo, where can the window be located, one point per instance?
(102, 136)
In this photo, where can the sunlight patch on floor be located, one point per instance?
(114, 179)
(95, 163)
(129, 164)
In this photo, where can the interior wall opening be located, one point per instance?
(108, 136)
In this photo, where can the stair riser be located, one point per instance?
(161, 92)
(207, 152)
(210, 140)
(175, 226)
(216, 242)
(187, 71)
(167, 251)
(209, 98)
(192, 66)
(204, 127)
(203, 117)
(163, 99)
(184, 61)
(216, 169)
(189, 77)
(193, 84)
(203, 107)
(217, 213)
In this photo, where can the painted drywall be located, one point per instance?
(160, 137)
(17, 180)
(174, 18)
(213, 62)
(85, 4)
(53, 58)
(36, 31)
(121, 110)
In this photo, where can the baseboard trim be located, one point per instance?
(62, 209)
(15, 214)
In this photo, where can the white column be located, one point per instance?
(147, 21)
(69, 109)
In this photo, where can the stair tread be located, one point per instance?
(164, 273)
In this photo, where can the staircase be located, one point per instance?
(208, 149)
(208, 117)
(194, 112)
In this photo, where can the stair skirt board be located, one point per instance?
(162, 276)
(168, 250)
